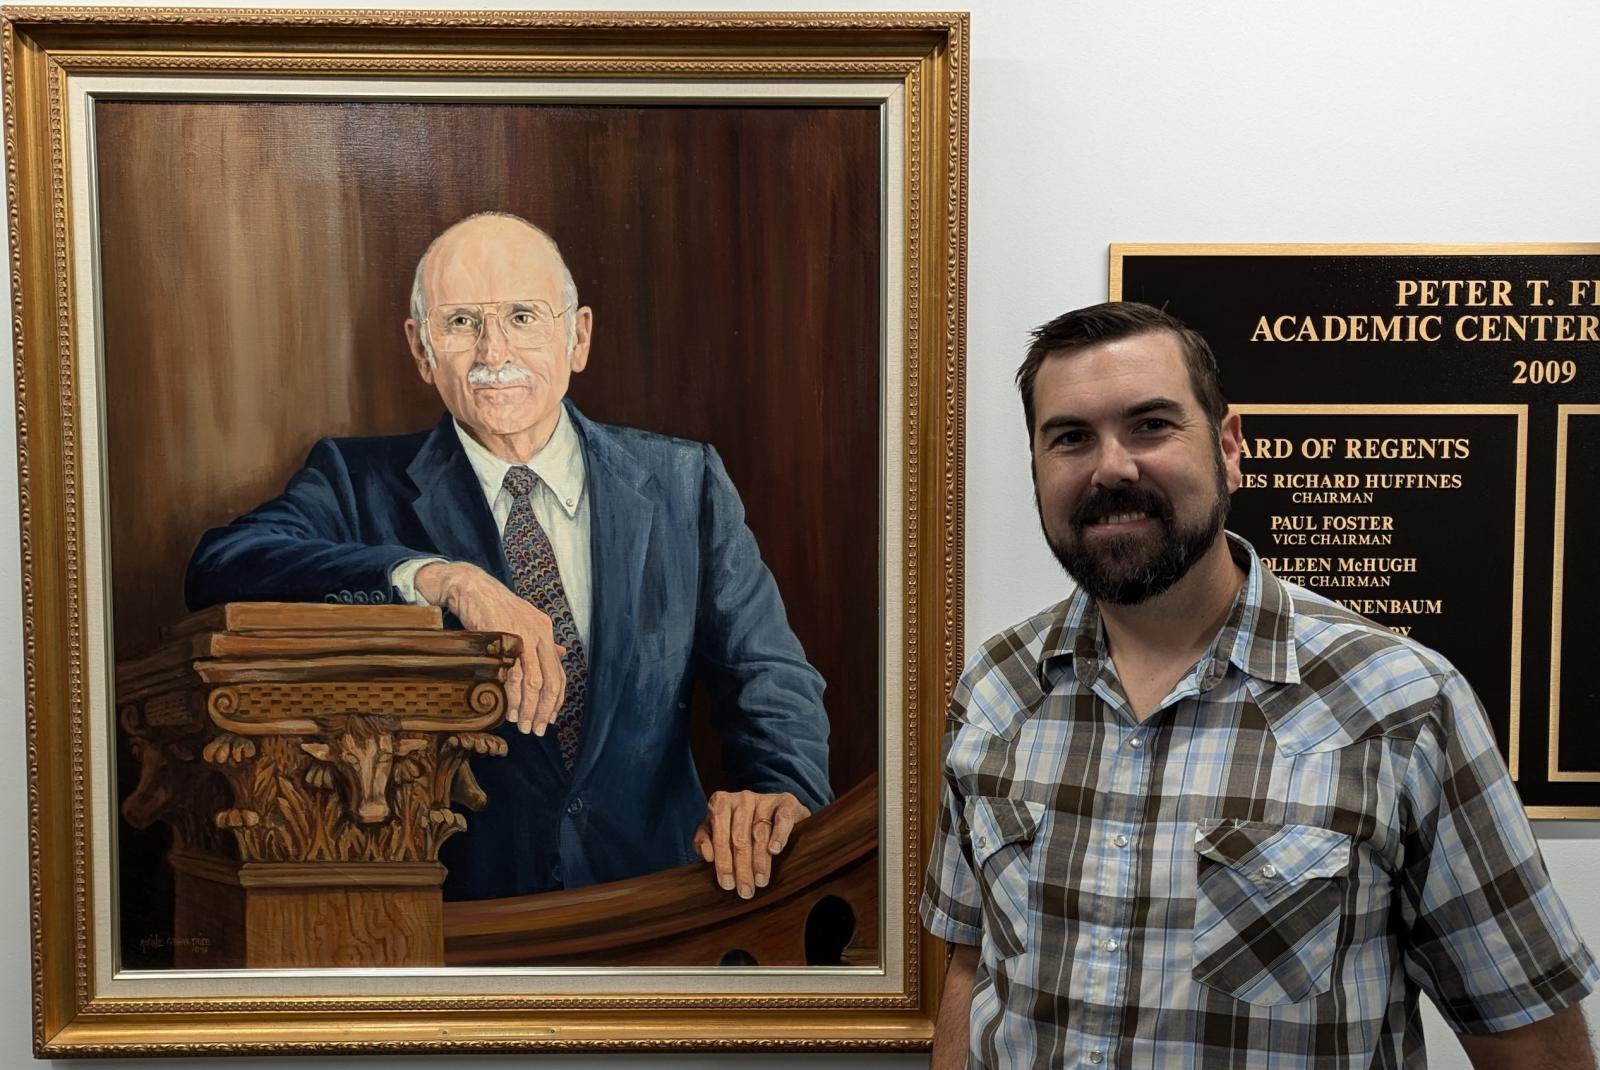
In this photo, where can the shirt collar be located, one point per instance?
(1257, 637)
(559, 464)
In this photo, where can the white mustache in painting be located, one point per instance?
(505, 375)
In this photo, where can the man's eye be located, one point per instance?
(1154, 423)
(1068, 439)
(460, 321)
(523, 318)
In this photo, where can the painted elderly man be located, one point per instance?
(619, 557)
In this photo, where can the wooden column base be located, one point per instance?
(306, 914)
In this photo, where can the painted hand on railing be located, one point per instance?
(741, 833)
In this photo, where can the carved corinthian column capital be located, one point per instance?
(271, 735)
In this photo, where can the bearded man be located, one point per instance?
(1195, 816)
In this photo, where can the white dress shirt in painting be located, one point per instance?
(559, 504)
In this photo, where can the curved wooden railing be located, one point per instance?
(821, 908)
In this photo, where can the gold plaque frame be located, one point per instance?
(915, 67)
(1563, 473)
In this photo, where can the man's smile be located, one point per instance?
(1119, 520)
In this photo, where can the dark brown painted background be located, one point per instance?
(257, 262)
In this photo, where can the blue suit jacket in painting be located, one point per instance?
(680, 594)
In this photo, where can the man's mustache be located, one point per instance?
(505, 375)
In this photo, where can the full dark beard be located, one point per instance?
(1125, 570)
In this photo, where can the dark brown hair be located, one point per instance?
(1110, 322)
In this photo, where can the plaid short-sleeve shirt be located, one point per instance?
(1313, 826)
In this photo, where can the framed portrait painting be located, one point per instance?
(344, 338)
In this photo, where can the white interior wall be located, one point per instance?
(1102, 120)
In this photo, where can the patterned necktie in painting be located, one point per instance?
(537, 581)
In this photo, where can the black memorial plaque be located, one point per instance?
(1422, 431)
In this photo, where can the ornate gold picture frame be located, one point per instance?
(214, 218)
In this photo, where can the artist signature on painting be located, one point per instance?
(199, 944)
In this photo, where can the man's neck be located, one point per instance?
(1155, 642)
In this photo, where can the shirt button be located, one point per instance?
(1135, 742)
(1269, 871)
(1097, 1057)
(575, 807)
(1112, 945)
(572, 503)
(1120, 840)
(983, 843)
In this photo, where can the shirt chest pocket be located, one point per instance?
(1003, 832)
(1268, 901)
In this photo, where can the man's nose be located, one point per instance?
(1114, 464)
(494, 344)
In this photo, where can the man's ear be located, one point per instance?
(582, 332)
(418, 353)
(1230, 438)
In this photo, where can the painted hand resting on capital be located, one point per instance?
(535, 686)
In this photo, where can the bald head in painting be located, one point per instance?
(501, 363)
